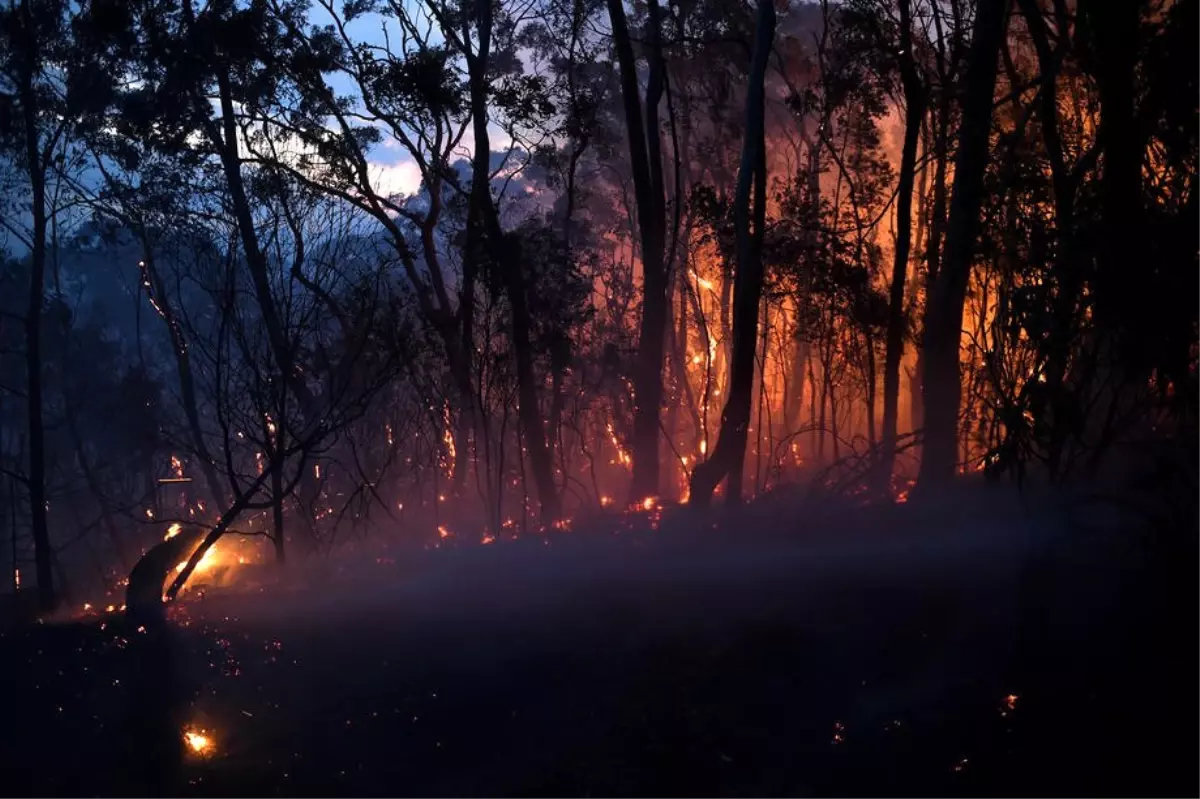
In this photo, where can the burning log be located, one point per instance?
(144, 594)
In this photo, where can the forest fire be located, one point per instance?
(738, 359)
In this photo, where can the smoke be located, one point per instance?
(480, 665)
(696, 575)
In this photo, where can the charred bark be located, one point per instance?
(144, 591)
(1113, 25)
(943, 327)
(729, 455)
(914, 113)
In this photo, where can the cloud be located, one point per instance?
(403, 178)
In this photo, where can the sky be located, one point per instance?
(393, 168)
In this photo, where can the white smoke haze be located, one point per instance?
(684, 579)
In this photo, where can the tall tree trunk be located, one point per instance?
(36, 479)
(645, 158)
(795, 391)
(937, 230)
(728, 457)
(869, 364)
(461, 367)
(484, 226)
(914, 113)
(803, 343)
(1069, 279)
(1114, 25)
(943, 326)
(256, 260)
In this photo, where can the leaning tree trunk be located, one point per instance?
(943, 324)
(729, 455)
(914, 112)
(645, 159)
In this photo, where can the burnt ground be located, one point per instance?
(895, 654)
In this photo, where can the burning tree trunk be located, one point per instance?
(645, 157)
(943, 323)
(144, 592)
(914, 112)
(729, 455)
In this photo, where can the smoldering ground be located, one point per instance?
(935, 647)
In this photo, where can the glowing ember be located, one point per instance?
(443, 532)
(199, 742)
(623, 457)
(448, 440)
(649, 503)
(1010, 701)
(173, 531)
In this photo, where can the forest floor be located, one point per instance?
(896, 651)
